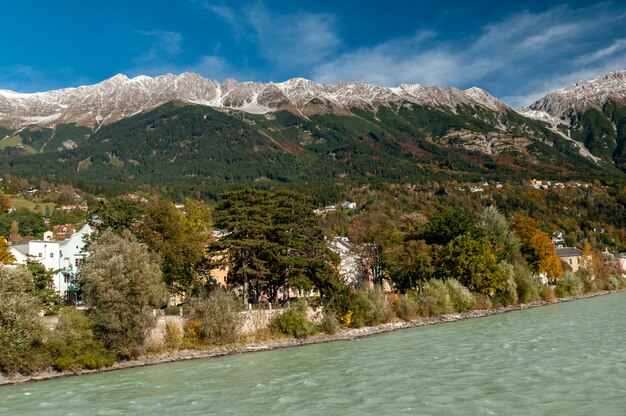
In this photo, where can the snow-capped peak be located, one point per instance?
(120, 96)
(580, 96)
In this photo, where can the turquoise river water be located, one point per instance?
(565, 359)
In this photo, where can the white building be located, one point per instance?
(61, 256)
(351, 265)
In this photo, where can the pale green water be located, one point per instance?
(567, 359)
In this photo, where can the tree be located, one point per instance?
(504, 243)
(272, 241)
(408, 264)
(537, 248)
(30, 223)
(121, 283)
(472, 263)
(372, 232)
(5, 255)
(118, 214)
(21, 329)
(446, 224)
(5, 203)
(413, 224)
(43, 284)
(14, 232)
(180, 240)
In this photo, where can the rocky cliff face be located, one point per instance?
(592, 113)
(120, 97)
(559, 105)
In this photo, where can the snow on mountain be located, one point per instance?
(557, 105)
(119, 97)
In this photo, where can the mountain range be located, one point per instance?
(193, 134)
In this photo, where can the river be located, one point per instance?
(562, 359)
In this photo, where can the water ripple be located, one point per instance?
(566, 359)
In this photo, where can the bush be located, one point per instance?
(483, 303)
(559, 292)
(369, 307)
(382, 307)
(547, 293)
(508, 294)
(329, 324)
(172, 310)
(293, 322)
(362, 310)
(435, 299)
(589, 283)
(612, 283)
(407, 307)
(527, 287)
(216, 317)
(72, 345)
(569, 285)
(461, 298)
(173, 335)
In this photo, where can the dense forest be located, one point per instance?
(187, 150)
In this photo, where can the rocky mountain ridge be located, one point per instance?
(557, 106)
(120, 97)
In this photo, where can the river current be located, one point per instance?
(564, 359)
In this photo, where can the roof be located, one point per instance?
(568, 252)
(22, 248)
(340, 245)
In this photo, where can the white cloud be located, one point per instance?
(527, 53)
(164, 45)
(288, 41)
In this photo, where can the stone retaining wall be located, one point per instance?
(252, 322)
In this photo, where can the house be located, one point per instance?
(62, 256)
(571, 257)
(351, 263)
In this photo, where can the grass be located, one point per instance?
(15, 141)
(84, 164)
(39, 207)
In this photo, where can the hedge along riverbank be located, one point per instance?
(342, 334)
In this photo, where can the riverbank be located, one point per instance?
(343, 334)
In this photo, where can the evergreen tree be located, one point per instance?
(447, 224)
(272, 241)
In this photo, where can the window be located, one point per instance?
(66, 278)
(51, 255)
(77, 262)
(570, 261)
(40, 255)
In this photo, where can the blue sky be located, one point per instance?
(516, 52)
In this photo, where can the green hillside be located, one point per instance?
(197, 150)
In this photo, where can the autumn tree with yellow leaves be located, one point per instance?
(6, 257)
(537, 248)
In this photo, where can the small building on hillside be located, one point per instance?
(571, 257)
(63, 256)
